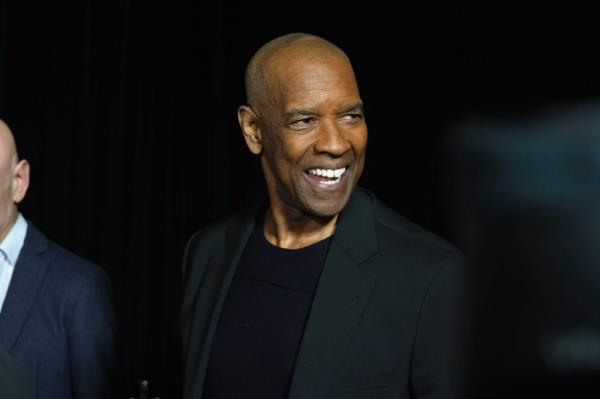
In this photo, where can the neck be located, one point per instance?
(291, 229)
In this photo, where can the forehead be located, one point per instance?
(313, 82)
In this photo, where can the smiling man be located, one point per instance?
(322, 292)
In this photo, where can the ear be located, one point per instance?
(20, 181)
(250, 126)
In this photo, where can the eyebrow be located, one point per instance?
(354, 107)
(300, 111)
(312, 111)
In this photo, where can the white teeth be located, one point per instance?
(330, 182)
(330, 173)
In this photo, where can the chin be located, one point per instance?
(325, 209)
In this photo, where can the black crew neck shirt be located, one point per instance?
(263, 319)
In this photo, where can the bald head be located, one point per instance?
(14, 180)
(263, 70)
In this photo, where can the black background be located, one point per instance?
(126, 111)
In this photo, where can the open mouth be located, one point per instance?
(326, 176)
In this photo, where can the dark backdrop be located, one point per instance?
(126, 111)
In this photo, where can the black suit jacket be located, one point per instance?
(387, 317)
(58, 324)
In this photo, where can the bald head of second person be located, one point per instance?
(14, 180)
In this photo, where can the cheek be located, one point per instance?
(5, 188)
(281, 159)
(359, 142)
(293, 150)
(5, 200)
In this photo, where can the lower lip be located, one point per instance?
(320, 183)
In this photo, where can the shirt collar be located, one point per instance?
(11, 246)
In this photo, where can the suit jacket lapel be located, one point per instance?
(24, 286)
(211, 295)
(341, 297)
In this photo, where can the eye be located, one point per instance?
(352, 118)
(301, 124)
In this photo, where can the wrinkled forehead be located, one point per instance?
(305, 77)
(313, 71)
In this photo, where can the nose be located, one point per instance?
(331, 139)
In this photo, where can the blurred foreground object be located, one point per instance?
(525, 186)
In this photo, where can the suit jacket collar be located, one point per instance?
(355, 229)
(341, 297)
(24, 286)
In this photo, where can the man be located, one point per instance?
(324, 292)
(56, 320)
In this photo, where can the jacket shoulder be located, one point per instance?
(210, 236)
(62, 262)
(72, 264)
(405, 247)
(393, 227)
(211, 240)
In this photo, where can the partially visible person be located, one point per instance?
(13, 384)
(56, 317)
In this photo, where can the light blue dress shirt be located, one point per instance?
(10, 248)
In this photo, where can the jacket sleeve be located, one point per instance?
(439, 356)
(92, 340)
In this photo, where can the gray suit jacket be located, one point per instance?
(58, 324)
(13, 385)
